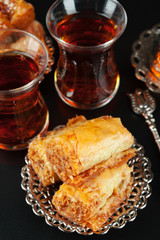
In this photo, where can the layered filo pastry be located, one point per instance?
(38, 159)
(91, 203)
(90, 158)
(20, 14)
(89, 143)
(37, 153)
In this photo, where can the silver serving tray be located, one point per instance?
(143, 56)
(40, 198)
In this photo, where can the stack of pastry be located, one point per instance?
(21, 15)
(90, 158)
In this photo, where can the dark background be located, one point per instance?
(17, 221)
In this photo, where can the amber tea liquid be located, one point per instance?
(86, 76)
(22, 116)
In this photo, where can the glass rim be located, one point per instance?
(40, 74)
(89, 48)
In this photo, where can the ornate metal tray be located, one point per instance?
(145, 58)
(50, 48)
(40, 198)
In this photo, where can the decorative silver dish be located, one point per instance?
(146, 58)
(40, 198)
(50, 49)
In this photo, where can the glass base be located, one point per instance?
(88, 106)
(21, 146)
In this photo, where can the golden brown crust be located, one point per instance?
(20, 13)
(112, 204)
(76, 121)
(4, 21)
(114, 161)
(92, 196)
(39, 162)
(37, 154)
(87, 144)
(80, 204)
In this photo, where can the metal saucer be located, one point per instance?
(144, 55)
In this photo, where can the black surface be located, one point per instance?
(17, 221)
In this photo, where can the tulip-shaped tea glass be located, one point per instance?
(86, 76)
(23, 112)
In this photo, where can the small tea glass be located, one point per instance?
(87, 76)
(23, 112)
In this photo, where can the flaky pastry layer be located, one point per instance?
(38, 159)
(123, 191)
(16, 14)
(20, 14)
(80, 204)
(37, 154)
(86, 145)
(115, 160)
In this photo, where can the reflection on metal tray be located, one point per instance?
(40, 198)
(146, 58)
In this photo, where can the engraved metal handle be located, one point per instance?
(152, 126)
(144, 104)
